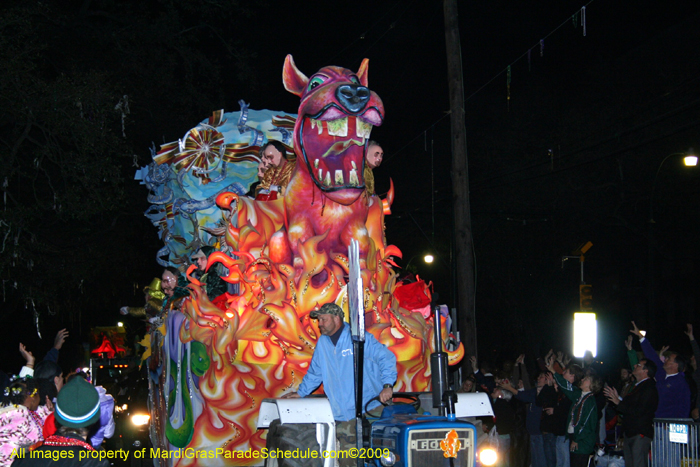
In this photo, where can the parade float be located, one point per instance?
(211, 365)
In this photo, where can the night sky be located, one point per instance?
(570, 158)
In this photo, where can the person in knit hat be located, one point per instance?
(77, 410)
(106, 425)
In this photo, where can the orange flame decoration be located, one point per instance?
(261, 345)
(451, 444)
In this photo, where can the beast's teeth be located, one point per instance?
(320, 174)
(339, 177)
(362, 129)
(353, 178)
(353, 165)
(327, 180)
(315, 163)
(317, 123)
(338, 127)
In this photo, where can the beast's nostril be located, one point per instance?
(353, 97)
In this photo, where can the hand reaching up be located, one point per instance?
(565, 360)
(689, 332)
(635, 330)
(549, 363)
(27, 355)
(549, 379)
(60, 339)
(611, 394)
(549, 354)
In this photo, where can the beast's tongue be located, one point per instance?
(335, 150)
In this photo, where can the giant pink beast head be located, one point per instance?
(336, 116)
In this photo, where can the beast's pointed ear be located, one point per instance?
(294, 80)
(362, 72)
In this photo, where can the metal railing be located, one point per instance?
(676, 443)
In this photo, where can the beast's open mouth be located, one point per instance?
(333, 146)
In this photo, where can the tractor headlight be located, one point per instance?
(140, 419)
(488, 456)
(388, 460)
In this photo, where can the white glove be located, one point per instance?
(124, 310)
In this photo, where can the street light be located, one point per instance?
(689, 160)
(428, 258)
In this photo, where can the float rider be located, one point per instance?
(333, 365)
(373, 159)
(277, 173)
(154, 296)
(215, 286)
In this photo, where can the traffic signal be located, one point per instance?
(586, 297)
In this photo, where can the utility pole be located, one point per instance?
(464, 252)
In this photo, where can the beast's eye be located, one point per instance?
(355, 80)
(316, 81)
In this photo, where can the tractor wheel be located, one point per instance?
(289, 438)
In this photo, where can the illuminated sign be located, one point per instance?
(585, 334)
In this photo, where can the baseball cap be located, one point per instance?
(328, 309)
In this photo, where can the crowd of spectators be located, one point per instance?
(51, 417)
(568, 414)
(573, 414)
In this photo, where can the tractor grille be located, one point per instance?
(424, 448)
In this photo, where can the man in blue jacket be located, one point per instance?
(332, 365)
(673, 389)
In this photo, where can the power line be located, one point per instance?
(540, 43)
(370, 28)
(480, 183)
(504, 70)
(431, 126)
(656, 119)
(391, 26)
(592, 160)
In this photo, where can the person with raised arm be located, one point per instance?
(674, 392)
(582, 421)
(534, 413)
(695, 411)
